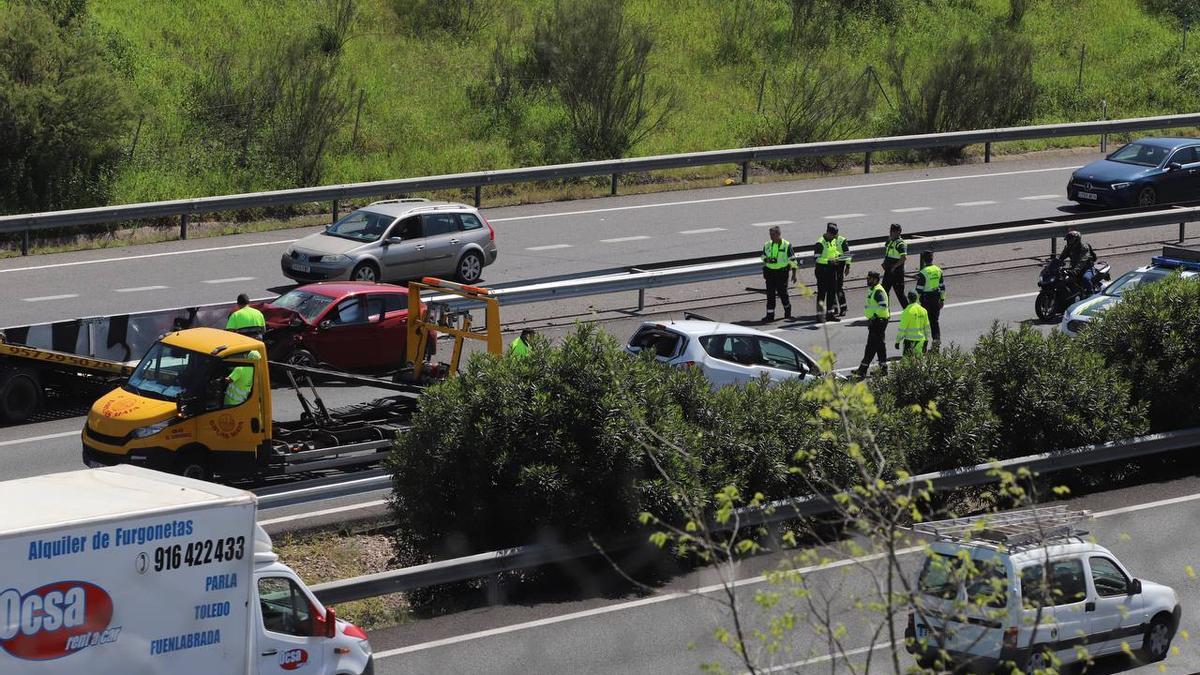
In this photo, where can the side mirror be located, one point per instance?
(1174, 166)
(187, 405)
(330, 623)
(326, 324)
(393, 240)
(1134, 587)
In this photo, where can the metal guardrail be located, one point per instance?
(184, 208)
(638, 280)
(483, 564)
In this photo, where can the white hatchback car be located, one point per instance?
(726, 353)
(1034, 590)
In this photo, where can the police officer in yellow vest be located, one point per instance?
(777, 262)
(878, 316)
(914, 327)
(240, 382)
(826, 252)
(247, 320)
(895, 253)
(840, 269)
(931, 285)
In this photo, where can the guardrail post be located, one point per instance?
(478, 195)
(183, 223)
(1182, 228)
(987, 152)
(334, 214)
(612, 191)
(642, 298)
(1053, 246)
(745, 172)
(25, 242)
(867, 163)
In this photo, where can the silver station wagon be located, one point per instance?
(394, 240)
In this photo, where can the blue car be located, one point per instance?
(1145, 172)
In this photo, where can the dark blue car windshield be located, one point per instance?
(1139, 154)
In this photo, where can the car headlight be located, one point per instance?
(143, 432)
(1120, 186)
(335, 259)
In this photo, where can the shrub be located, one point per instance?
(515, 448)
(457, 17)
(1151, 339)
(973, 85)
(1051, 393)
(63, 111)
(596, 63)
(963, 431)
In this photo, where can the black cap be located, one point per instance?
(831, 227)
(243, 300)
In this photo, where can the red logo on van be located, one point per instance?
(54, 620)
(293, 659)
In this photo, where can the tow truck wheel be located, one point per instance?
(194, 464)
(303, 357)
(20, 395)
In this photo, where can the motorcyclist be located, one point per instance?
(1081, 256)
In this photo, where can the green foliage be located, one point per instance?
(1052, 393)
(976, 84)
(459, 18)
(63, 110)
(513, 448)
(1183, 11)
(596, 62)
(1150, 338)
(961, 430)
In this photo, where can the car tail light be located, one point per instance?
(1010, 638)
(491, 230)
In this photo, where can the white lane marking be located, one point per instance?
(138, 289)
(965, 303)
(43, 298)
(548, 247)
(772, 223)
(653, 600)
(228, 280)
(765, 195)
(986, 202)
(34, 439)
(829, 657)
(325, 512)
(1036, 197)
(709, 589)
(621, 239)
(913, 209)
(703, 230)
(146, 255)
(844, 216)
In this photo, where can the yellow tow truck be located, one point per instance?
(179, 411)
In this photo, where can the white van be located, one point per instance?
(1014, 589)
(127, 570)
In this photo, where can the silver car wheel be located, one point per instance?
(364, 272)
(470, 268)
(1160, 639)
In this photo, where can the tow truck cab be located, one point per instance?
(173, 413)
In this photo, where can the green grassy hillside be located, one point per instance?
(417, 117)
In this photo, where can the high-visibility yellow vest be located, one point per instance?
(241, 381)
(775, 256)
(246, 317)
(930, 281)
(914, 324)
(829, 251)
(519, 348)
(875, 309)
(896, 248)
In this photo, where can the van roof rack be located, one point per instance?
(1011, 528)
(402, 200)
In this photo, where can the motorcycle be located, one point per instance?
(1060, 289)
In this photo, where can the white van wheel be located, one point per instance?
(1157, 642)
(1039, 660)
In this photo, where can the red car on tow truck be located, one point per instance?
(352, 326)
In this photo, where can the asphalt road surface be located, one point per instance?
(558, 238)
(1149, 528)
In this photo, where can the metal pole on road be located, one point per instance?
(613, 187)
(745, 172)
(987, 153)
(867, 163)
(478, 195)
(183, 225)
(334, 214)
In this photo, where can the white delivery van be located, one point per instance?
(127, 570)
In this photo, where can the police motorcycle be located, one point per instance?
(1060, 289)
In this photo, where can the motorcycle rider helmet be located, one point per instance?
(1073, 236)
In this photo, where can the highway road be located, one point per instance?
(1151, 529)
(558, 238)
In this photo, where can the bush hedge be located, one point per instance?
(579, 439)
